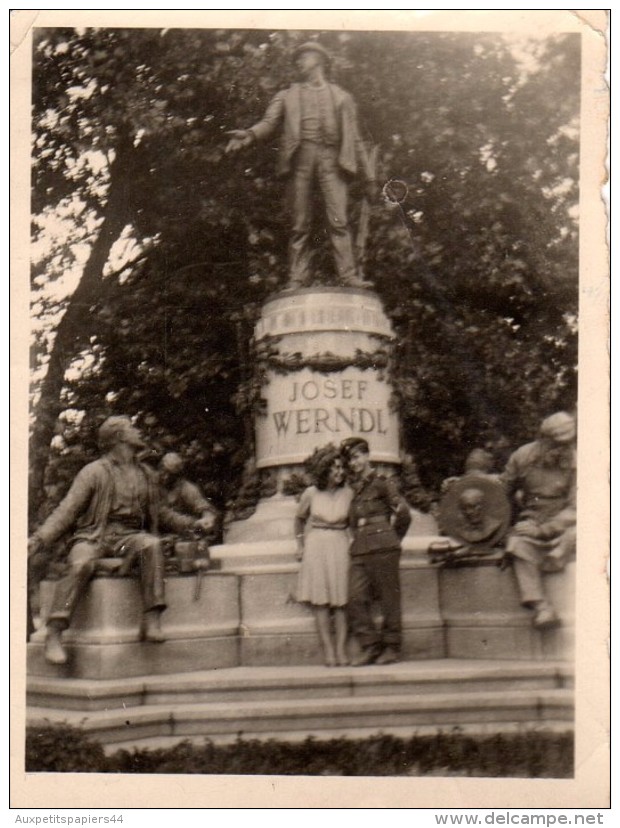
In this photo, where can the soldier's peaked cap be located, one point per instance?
(351, 444)
(312, 46)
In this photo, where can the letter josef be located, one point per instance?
(330, 389)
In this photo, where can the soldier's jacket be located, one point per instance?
(376, 501)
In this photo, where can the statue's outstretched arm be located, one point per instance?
(262, 129)
(240, 138)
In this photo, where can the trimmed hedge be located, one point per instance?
(534, 753)
(62, 748)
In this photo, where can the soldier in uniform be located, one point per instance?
(379, 518)
(320, 145)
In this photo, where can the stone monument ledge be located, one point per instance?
(246, 615)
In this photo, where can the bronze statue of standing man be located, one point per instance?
(320, 145)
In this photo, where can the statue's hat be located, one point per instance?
(559, 427)
(312, 46)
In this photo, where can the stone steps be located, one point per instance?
(294, 702)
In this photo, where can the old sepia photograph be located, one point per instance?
(313, 430)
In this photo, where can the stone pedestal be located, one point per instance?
(484, 619)
(322, 359)
(104, 638)
(324, 354)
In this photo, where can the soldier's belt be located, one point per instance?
(367, 521)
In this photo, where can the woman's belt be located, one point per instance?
(316, 524)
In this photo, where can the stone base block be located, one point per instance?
(111, 610)
(277, 630)
(281, 649)
(499, 642)
(201, 627)
(423, 643)
(484, 618)
(107, 661)
(506, 642)
(263, 648)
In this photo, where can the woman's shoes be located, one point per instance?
(337, 662)
(341, 660)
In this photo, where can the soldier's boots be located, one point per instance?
(55, 653)
(388, 656)
(368, 656)
(151, 627)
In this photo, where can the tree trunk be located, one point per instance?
(73, 329)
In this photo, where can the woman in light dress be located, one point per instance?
(323, 547)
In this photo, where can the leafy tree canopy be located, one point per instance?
(478, 267)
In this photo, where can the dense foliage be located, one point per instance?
(535, 753)
(478, 268)
(62, 748)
